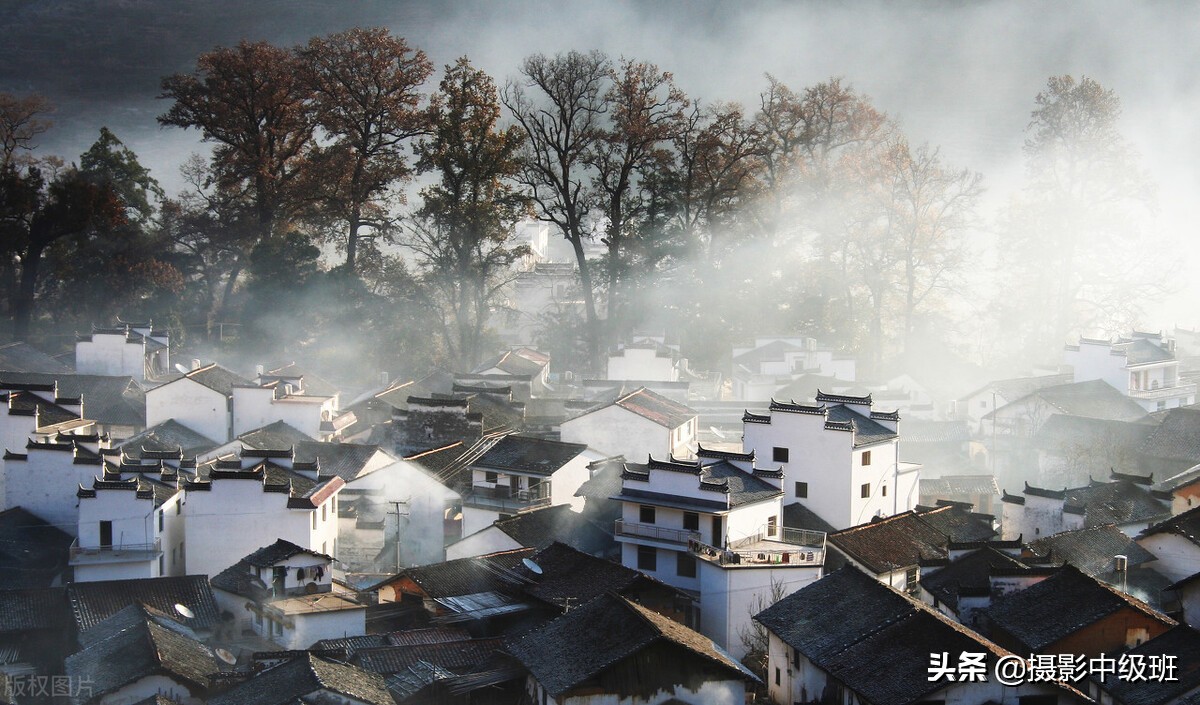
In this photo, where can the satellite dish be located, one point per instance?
(258, 582)
(716, 432)
(181, 609)
(225, 656)
(181, 369)
(533, 567)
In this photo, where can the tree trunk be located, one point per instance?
(24, 303)
(589, 303)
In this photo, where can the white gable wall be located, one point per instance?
(617, 431)
(192, 404)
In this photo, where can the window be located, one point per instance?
(646, 514)
(178, 506)
(160, 565)
(324, 512)
(883, 490)
(865, 490)
(777, 675)
(323, 547)
(691, 521)
(314, 518)
(490, 477)
(160, 519)
(796, 658)
(983, 403)
(912, 580)
(647, 558)
(685, 565)
(772, 525)
(866, 458)
(779, 455)
(802, 490)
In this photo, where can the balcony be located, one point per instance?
(1177, 391)
(506, 499)
(657, 533)
(124, 553)
(778, 546)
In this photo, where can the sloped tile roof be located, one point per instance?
(805, 621)
(528, 454)
(569, 574)
(136, 652)
(949, 486)
(32, 552)
(1186, 525)
(924, 431)
(958, 524)
(1067, 434)
(590, 639)
(970, 573)
(542, 527)
(289, 682)
(459, 656)
(170, 435)
(117, 400)
(281, 550)
(522, 361)
(1177, 436)
(798, 516)
(896, 542)
(655, 407)
(1059, 606)
(216, 378)
(95, 601)
(32, 608)
(23, 357)
(1091, 549)
(1095, 399)
(1120, 502)
(1183, 643)
(467, 576)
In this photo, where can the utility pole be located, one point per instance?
(396, 503)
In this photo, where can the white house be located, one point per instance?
(34, 410)
(134, 350)
(284, 592)
(1175, 544)
(45, 478)
(1144, 367)
(712, 527)
(201, 399)
(520, 473)
(545, 287)
(647, 360)
(131, 528)
(841, 457)
(285, 394)
(251, 500)
(772, 362)
(635, 425)
(519, 366)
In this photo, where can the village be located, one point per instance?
(175, 531)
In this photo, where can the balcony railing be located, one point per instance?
(658, 533)
(1179, 390)
(122, 553)
(772, 545)
(506, 498)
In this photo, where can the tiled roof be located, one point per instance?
(1013, 389)
(1092, 549)
(522, 361)
(958, 524)
(896, 542)
(286, 684)
(949, 486)
(772, 351)
(969, 574)
(108, 399)
(170, 435)
(866, 430)
(461, 655)
(1186, 525)
(32, 608)
(33, 553)
(541, 527)
(1183, 643)
(569, 574)
(23, 357)
(527, 454)
(1144, 352)
(740, 486)
(1177, 436)
(805, 621)
(798, 516)
(216, 378)
(1068, 435)
(312, 384)
(1120, 502)
(1095, 399)
(1059, 606)
(923, 431)
(96, 601)
(1176, 481)
(281, 550)
(604, 482)
(274, 436)
(142, 650)
(467, 576)
(132, 616)
(24, 403)
(588, 640)
(655, 407)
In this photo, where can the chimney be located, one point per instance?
(195, 363)
(383, 378)
(258, 370)
(1121, 564)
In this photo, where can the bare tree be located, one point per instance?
(559, 103)
(22, 119)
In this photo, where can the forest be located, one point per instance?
(359, 206)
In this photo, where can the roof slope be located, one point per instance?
(568, 574)
(289, 682)
(216, 378)
(1095, 399)
(32, 608)
(958, 485)
(1183, 642)
(1186, 525)
(467, 576)
(543, 527)
(798, 516)
(23, 357)
(969, 574)
(281, 550)
(587, 641)
(1120, 502)
(528, 454)
(655, 407)
(804, 620)
(1177, 436)
(896, 542)
(95, 601)
(32, 552)
(522, 361)
(1091, 549)
(1059, 606)
(168, 436)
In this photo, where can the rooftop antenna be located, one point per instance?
(183, 610)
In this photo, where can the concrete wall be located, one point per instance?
(616, 431)
(201, 409)
(730, 597)
(488, 540)
(112, 355)
(255, 407)
(642, 364)
(1178, 558)
(45, 484)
